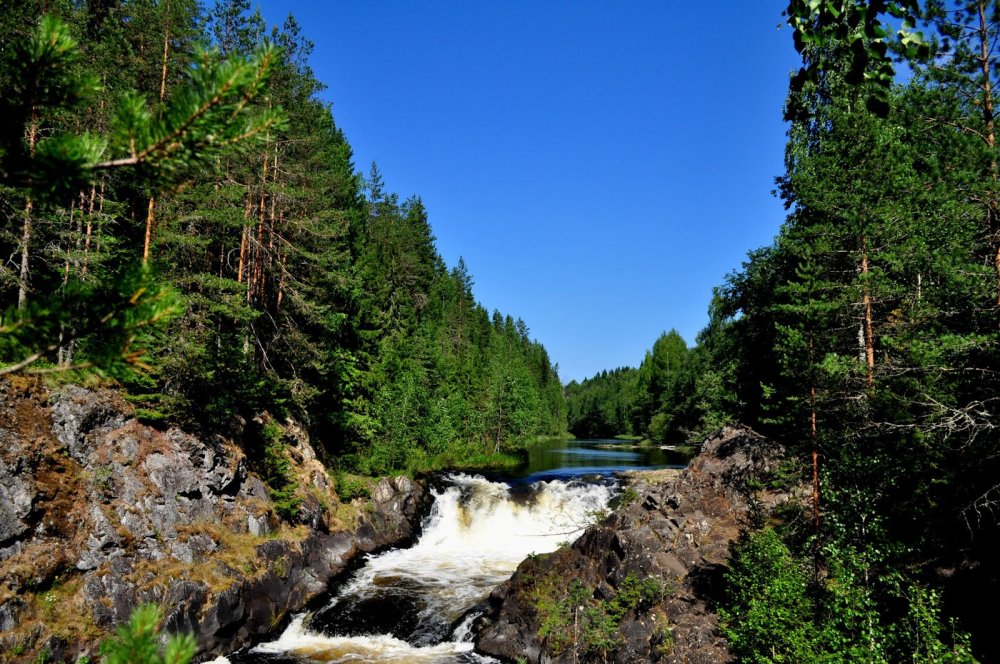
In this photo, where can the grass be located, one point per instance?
(235, 551)
(62, 610)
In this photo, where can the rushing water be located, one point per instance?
(418, 604)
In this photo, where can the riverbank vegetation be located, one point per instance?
(213, 251)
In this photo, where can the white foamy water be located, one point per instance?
(473, 539)
(377, 648)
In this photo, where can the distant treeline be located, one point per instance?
(672, 398)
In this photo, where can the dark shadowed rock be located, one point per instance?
(386, 612)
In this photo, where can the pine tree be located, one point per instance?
(203, 118)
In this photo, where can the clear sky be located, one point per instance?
(600, 165)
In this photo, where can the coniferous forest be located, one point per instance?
(213, 249)
(184, 221)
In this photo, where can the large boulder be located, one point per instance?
(672, 539)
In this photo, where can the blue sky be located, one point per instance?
(599, 165)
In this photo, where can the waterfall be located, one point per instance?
(418, 604)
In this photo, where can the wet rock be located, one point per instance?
(386, 612)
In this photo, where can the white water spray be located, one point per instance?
(474, 538)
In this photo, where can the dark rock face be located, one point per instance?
(678, 533)
(299, 571)
(100, 513)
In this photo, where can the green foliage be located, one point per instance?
(776, 610)
(572, 619)
(868, 332)
(204, 119)
(768, 611)
(138, 642)
(271, 279)
(112, 321)
(349, 487)
(829, 32)
(601, 407)
(282, 484)
(678, 394)
(628, 496)
(927, 636)
(43, 75)
(43, 82)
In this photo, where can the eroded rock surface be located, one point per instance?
(99, 513)
(677, 534)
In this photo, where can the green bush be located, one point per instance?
(281, 481)
(350, 487)
(925, 634)
(775, 610)
(768, 617)
(577, 620)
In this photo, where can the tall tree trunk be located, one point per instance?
(281, 281)
(166, 49)
(993, 208)
(29, 206)
(149, 229)
(90, 224)
(814, 440)
(257, 270)
(100, 213)
(69, 251)
(163, 94)
(815, 456)
(272, 221)
(244, 241)
(869, 328)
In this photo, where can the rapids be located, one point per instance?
(418, 604)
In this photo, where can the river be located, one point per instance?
(418, 605)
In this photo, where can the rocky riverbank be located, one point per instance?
(639, 585)
(100, 513)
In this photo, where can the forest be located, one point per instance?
(865, 339)
(184, 220)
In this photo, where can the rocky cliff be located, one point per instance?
(638, 586)
(99, 513)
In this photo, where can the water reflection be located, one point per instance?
(562, 459)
